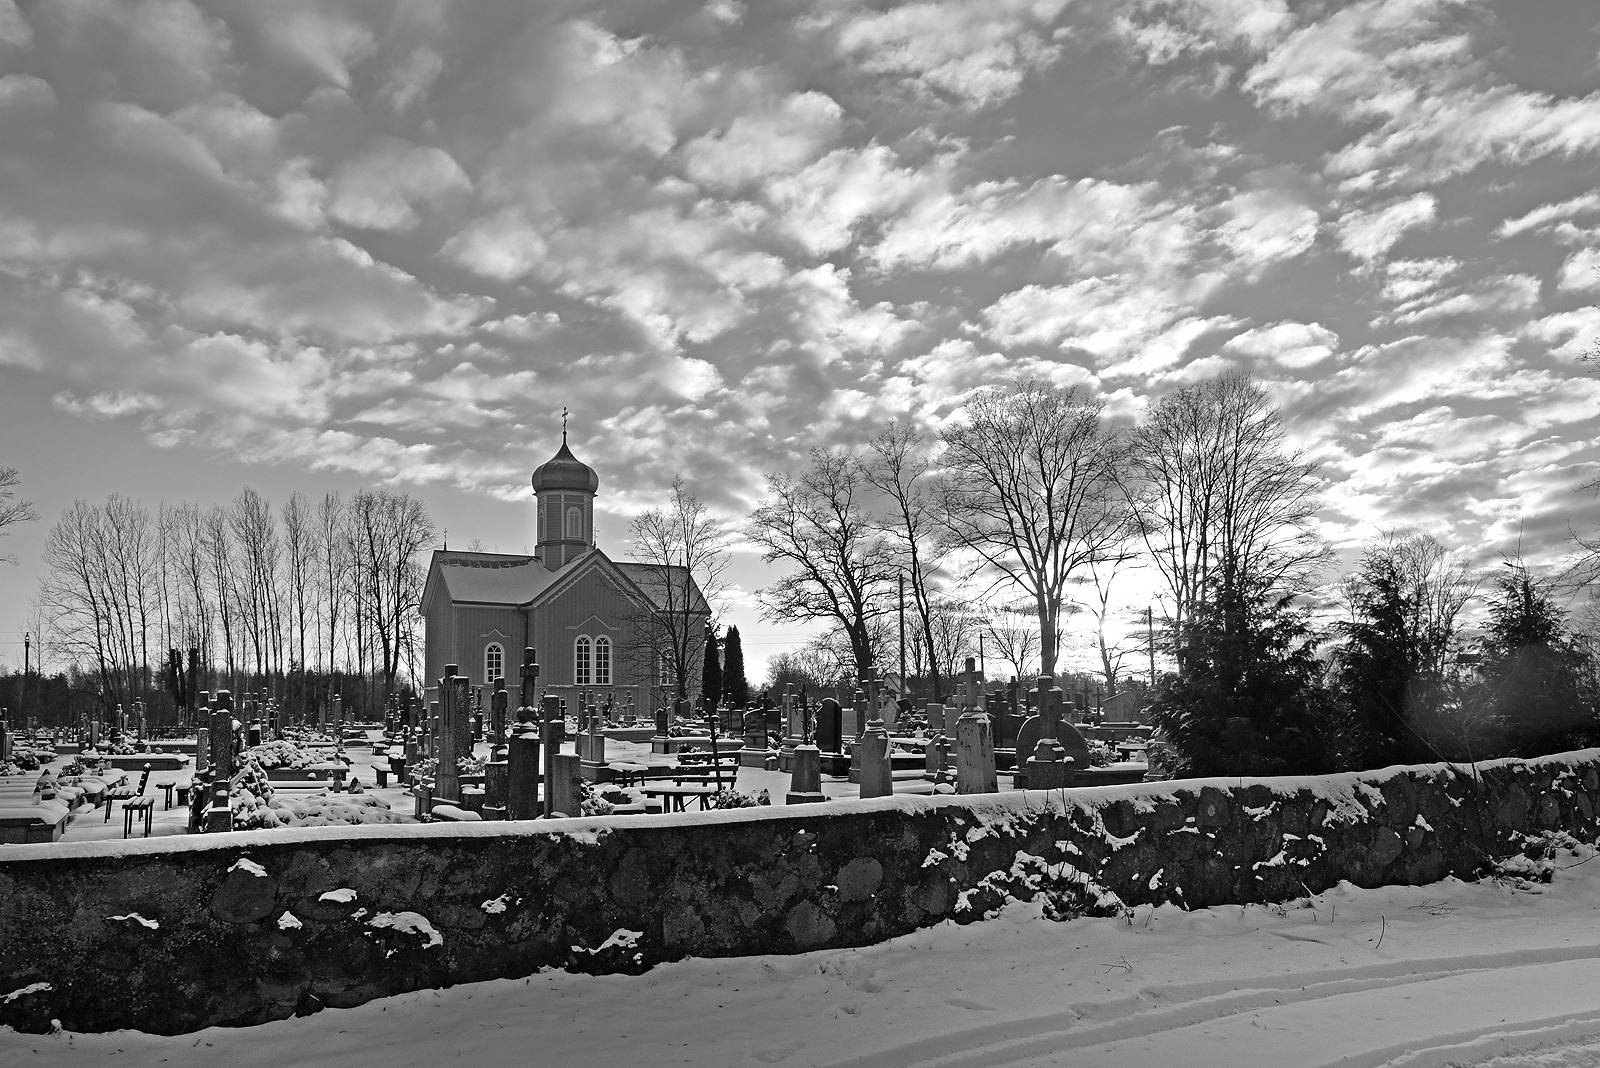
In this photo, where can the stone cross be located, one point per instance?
(792, 729)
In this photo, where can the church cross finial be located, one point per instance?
(563, 424)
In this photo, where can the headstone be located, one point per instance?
(498, 705)
(856, 724)
(453, 711)
(592, 755)
(754, 752)
(872, 753)
(975, 772)
(562, 785)
(830, 726)
(935, 717)
(793, 731)
(805, 781)
(496, 789)
(5, 740)
(889, 712)
(552, 729)
(202, 751)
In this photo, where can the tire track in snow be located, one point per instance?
(1159, 1010)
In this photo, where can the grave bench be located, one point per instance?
(182, 784)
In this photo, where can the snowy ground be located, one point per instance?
(1454, 973)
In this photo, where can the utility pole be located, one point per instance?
(1150, 643)
(27, 650)
(903, 687)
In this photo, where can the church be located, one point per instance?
(597, 625)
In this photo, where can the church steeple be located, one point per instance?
(565, 487)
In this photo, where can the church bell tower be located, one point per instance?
(564, 487)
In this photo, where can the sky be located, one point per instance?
(319, 246)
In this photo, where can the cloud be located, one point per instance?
(21, 91)
(383, 187)
(14, 29)
(1545, 214)
(1288, 344)
(1267, 225)
(974, 51)
(1582, 269)
(757, 145)
(1369, 235)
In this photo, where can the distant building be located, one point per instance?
(594, 622)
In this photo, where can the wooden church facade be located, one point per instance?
(594, 622)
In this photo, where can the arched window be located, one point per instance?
(494, 662)
(602, 661)
(665, 676)
(580, 662)
(574, 524)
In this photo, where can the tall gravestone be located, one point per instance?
(552, 730)
(522, 757)
(1048, 768)
(876, 770)
(975, 771)
(805, 781)
(793, 732)
(498, 704)
(219, 816)
(754, 752)
(453, 711)
(830, 726)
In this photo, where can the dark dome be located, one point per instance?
(564, 471)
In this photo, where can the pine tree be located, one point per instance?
(734, 683)
(1250, 701)
(711, 676)
(1535, 681)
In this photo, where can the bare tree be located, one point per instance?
(388, 531)
(330, 570)
(1032, 489)
(256, 535)
(13, 509)
(817, 525)
(679, 558)
(899, 468)
(1219, 499)
(1433, 582)
(1014, 631)
(1102, 575)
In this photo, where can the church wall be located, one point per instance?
(477, 626)
(439, 640)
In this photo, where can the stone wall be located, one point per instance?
(174, 934)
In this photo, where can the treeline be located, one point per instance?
(1037, 499)
(292, 602)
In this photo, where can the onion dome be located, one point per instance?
(564, 471)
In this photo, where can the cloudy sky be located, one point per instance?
(323, 245)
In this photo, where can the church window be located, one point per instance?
(602, 661)
(580, 662)
(494, 662)
(665, 676)
(574, 524)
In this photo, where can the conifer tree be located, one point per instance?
(734, 683)
(711, 674)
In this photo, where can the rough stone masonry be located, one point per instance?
(175, 934)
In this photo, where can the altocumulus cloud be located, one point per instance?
(396, 240)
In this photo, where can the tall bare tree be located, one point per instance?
(1014, 631)
(330, 571)
(900, 468)
(13, 509)
(818, 525)
(388, 531)
(1031, 488)
(1219, 498)
(679, 562)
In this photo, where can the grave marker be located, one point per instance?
(872, 754)
(522, 756)
(975, 771)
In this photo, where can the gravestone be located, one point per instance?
(830, 726)
(793, 730)
(453, 711)
(552, 730)
(805, 782)
(202, 752)
(871, 763)
(975, 772)
(592, 755)
(5, 740)
(219, 815)
(754, 753)
(497, 720)
(562, 785)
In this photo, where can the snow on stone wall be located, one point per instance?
(379, 910)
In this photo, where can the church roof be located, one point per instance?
(564, 471)
(488, 578)
(652, 581)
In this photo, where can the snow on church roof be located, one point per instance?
(491, 578)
